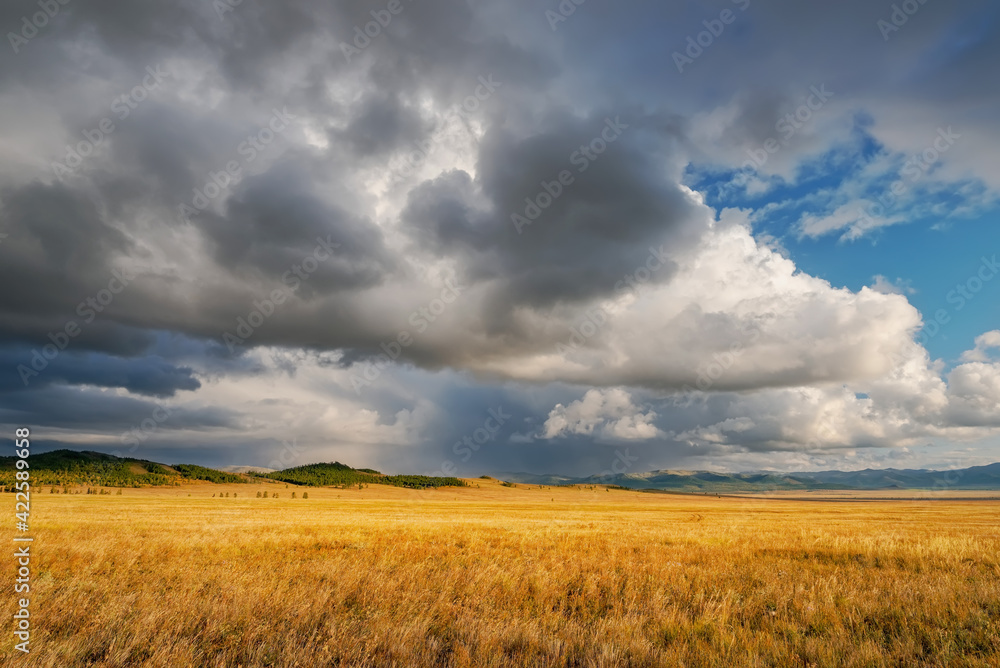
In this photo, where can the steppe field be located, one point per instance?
(496, 576)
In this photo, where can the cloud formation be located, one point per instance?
(172, 174)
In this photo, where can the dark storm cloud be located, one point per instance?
(63, 407)
(74, 271)
(275, 220)
(379, 124)
(58, 245)
(614, 206)
(598, 230)
(230, 71)
(442, 48)
(164, 152)
(153, 376)
(101, 336)
(140, 31)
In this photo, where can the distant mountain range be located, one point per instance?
(974, 478)
(247, 469)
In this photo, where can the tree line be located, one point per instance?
(340, 475)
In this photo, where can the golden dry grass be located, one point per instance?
(493, 576)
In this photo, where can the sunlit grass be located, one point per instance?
(495, 576)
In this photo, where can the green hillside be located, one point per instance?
(96, 469)
(195, 472)
(340, 475)
(68, 467)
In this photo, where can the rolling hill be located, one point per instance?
(69, 467)
(341, 475)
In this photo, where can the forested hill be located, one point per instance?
(69, 467)
(342, 475)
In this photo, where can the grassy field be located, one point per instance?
(496, 576)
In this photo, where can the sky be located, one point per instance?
(479, 237)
